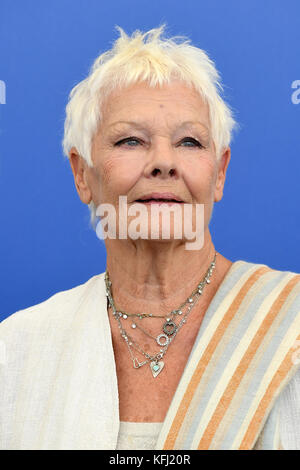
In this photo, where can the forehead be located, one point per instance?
(176, 101)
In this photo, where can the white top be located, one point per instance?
(143, 436)
(290, 414)
(47, 364)
(138, 436)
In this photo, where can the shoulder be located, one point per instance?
(261, 289)
(272, 291)
(55, 312)
(267, 276)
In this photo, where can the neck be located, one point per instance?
(155, 276)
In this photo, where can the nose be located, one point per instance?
(162, 162)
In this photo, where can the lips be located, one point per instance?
(160, 198)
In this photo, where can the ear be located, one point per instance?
(80, 170)
(221, 175)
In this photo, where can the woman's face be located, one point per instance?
(156, 140)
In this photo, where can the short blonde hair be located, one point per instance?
(151, 58)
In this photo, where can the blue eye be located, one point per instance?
(129, 141)
(191, 142)
(134, 141)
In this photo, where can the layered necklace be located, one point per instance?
(171, 324)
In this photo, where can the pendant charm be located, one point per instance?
(165, 340)
(137, 364)
(169, 327)
(156, 367)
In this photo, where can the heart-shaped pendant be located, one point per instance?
(169, 327)
(156, 367)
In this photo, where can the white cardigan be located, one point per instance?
(55, 395)
(49, 370)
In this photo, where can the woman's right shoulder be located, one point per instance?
(52, 312)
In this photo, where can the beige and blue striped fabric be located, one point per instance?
(244, 355)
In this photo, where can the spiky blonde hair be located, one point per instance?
(154, 59)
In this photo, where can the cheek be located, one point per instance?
(108, 171)
(120, 174)
(201, 178)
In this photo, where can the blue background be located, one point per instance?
(47, 244)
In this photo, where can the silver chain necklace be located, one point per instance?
(169, 329)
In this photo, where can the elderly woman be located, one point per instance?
(174, 346)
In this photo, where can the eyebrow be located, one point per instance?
(143, 125)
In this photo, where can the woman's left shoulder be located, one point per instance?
(264, 270)
(279, 289)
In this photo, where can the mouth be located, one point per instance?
(160, 198)
(159, 201)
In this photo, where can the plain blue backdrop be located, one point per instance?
(46, 47)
